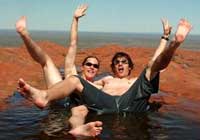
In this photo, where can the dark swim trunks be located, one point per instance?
(135, 99)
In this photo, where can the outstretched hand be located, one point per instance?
(80, 11)
(166, 27)
(21, 25)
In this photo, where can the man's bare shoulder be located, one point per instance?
(132, 80)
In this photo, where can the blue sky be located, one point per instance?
(140, 16)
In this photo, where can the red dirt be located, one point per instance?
(180, 80)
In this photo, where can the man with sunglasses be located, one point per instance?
(119, 93)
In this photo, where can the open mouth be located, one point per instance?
(120, 69)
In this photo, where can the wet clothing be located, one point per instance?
(135, 99)
(68, 102)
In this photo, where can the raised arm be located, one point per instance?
(70, 68)
(163, 41)
(163, 60)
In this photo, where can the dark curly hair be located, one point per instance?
(122, 54)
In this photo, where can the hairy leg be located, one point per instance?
(163, 60)
(42, 97)
(57, 91)
(78, 116)
(51, 73)
(77, 123)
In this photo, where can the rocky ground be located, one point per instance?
(181, 80)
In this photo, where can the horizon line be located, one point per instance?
(37, 30)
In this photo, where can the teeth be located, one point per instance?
(90, 71)
(120, 69)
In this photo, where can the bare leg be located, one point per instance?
(34, 95)
(163, 60)
(57, 91)
(42, 97)
(78, 116)
(51, 73)
(183, 30)
(77, 121)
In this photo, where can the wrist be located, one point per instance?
(76, 18)
(165, 37)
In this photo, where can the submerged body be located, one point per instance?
(135, 99)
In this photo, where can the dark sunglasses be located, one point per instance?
(90, 64)
(122, 61)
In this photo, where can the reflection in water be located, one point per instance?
(22, 122)
(124, 126)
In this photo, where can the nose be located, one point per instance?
(92, 67)
(120, 62)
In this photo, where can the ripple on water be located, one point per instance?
(22, 121)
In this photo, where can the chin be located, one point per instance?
(122, 75)
(90, 77)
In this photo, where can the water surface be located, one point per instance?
(21, 121)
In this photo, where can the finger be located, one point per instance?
(167, 23)
(84, 14)
(162, 20)
(170, 29)
(85, 5)
(84, 9)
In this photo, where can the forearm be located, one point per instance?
(71, 54)
(160, 49)
(70, 68)
(74, 31)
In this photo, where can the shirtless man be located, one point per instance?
(115, 95)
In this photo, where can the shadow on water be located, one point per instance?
(24, 122)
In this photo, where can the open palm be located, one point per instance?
(80, 11)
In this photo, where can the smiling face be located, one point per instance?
(90, 68)
(121, 65)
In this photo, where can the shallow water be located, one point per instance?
(22, 121)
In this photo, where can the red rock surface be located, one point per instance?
(180, 80)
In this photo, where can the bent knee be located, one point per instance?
(73, 79)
